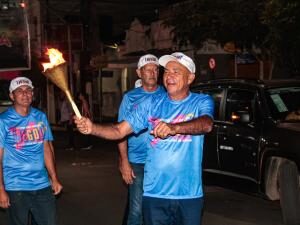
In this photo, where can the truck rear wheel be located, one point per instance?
(289, 193)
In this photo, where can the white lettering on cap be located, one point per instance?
(144, 60)
(150, 59)
(22, 82)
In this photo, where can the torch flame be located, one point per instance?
(55, 57)
(56, 71)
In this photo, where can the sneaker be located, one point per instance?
(69, 149)
(87, 148)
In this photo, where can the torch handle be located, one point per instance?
(74, 106)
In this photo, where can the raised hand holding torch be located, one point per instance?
(56, 71)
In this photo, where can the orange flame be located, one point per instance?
(55, 57)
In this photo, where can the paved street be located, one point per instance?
(226, 207)
(94, 194)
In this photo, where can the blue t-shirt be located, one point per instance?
(173, 165)
(137, 146)
(22, 138)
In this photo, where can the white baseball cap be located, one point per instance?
(180, 58)
(146, 59)
(19, 81)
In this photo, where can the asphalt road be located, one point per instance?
(94, 194)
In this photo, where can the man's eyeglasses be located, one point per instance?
(20, 91)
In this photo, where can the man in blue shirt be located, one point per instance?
(27, 160)
(176, 122)
(133, 150)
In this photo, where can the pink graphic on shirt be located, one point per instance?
(32, 133)
(178, 137)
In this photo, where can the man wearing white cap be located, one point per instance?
(176, 123)
(26, 159)
(133, 150)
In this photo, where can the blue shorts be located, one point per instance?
(172, 211)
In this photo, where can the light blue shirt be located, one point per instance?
(22, 138)
(137, 146)
(173, 165)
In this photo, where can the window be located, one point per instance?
(14, 36)
(283, 101)
(240, 101)
(217, 95)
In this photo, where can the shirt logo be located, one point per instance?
(33, 133)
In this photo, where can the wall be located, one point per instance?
(111, 92)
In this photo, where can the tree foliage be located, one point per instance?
(282, 18)
(271, 25)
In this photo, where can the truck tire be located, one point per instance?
(271, 178)
(289, 193)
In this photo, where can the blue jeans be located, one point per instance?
(40, 203)
(135, 192)
(159, 211)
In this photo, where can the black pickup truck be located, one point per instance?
(256, 136)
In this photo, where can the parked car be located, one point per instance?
(4, 95)
(256, 137)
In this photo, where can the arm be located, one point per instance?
(52, 150)
(199, 125)
(107, 131)
(50, 165)
(4, 199)
(124, 165)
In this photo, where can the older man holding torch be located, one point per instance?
(176, 122)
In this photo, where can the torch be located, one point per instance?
(56, 71)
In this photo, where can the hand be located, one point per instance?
(163, 130)
(126, 171)
(56, 187)
(84, 125)
(4, 199)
